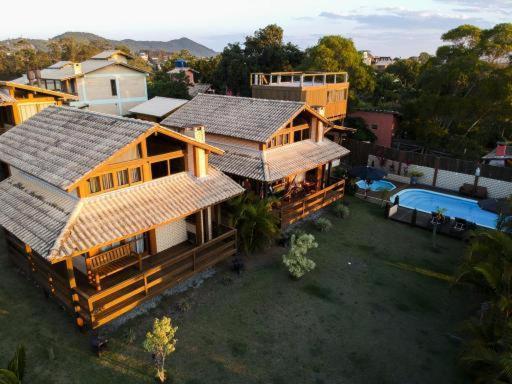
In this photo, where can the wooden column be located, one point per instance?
(74, 294)
(207, 223)
(199, 228)
(319, 176)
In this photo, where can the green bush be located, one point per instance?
(295, 260)
(341, 210)
(323, 224)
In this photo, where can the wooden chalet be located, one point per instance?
(327, 90)
(106, 212)
(19, 102)
(271, 147)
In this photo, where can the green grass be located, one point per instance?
(355, 319)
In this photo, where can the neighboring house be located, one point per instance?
(180, 66)
(271, 147)
(106, 212)
(18, 102)
(381, 122)
(104, 83)
(327, 90)
(380, 63)
(501, 156)
(157, 108)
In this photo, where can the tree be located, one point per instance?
(257, 225)
(336, 53)
(265, 51)
(362, 132)
(295, 260)
(165, 85)
(15, 369)
(160, 342)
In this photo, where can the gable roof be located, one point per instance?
(57, 225)
(32, 88)
(87, 66)
(60, 64)
(107, 54)
(241, 117)
(158, 106)
(276, 163)
(62, 144)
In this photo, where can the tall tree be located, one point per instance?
(336, 53)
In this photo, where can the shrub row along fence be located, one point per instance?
(361, 150)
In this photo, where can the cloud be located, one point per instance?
(404, 19)
(503, 7)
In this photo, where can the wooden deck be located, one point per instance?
(298, 208)
(129, 288)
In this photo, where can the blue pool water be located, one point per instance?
(428, 201)
(377, 185)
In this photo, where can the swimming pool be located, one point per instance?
(377, 185)
(428, 201)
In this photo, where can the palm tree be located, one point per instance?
(487, 354)
(15, 369)
(488, 264)
(257, 225)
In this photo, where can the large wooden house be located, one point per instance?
(271, 147)
(105, 212)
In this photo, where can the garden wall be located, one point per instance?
(445, 179)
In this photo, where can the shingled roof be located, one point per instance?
(241, 117)
(61, 144)
(57, 225)
(276, 163)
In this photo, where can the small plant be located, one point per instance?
(295, 260)
(415, 174)
(160, 342)
(15, 369)
(323, 224)
(184, 305)
(130, 336)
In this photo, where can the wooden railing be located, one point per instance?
(116, 300)
(295, 210)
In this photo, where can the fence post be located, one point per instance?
(436, 171)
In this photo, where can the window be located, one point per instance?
(122, 178)
(136, 175)
(107, 181)
(297, 136)
(375, 126)
(113, 86)
(177, 165)
(94, 184)
(286, 138)
(58, 85)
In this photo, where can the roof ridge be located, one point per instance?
(95, 113)
(251, 98)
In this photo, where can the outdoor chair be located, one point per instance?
(460, 224)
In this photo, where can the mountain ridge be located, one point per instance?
(169, 46)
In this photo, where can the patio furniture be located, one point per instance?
(460, 224)
(469, 190)
(110, 262)
(500, 206)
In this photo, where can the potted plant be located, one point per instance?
(415, 175)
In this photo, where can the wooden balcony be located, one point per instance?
(129, 288)
(299, 207)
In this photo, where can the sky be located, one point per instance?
(397, 28)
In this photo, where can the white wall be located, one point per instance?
(170, 235)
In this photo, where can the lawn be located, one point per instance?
(363, 316)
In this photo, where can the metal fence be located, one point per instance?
(359, 152)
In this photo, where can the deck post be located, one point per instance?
(74, 294)
(199, 228)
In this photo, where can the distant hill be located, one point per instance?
(135, 45)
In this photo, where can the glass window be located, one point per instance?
(135, 175)
(280, 140)
(122, 178)
(273, 142)
(94, 184)
(177, 165)
(286, 138)
(107, 181)
(297, 136)
(305, 134)
(113, 86)
(159, 169)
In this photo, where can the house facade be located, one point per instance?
(382, 123)
(115, 213)
(105, 83)
(271, 147)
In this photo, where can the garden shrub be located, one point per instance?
(323, 224)
(341, 210)
(295, 260)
